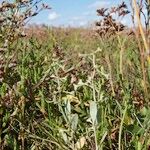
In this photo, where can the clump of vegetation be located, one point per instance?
(109, 25)
(13, 17)
(72, 90)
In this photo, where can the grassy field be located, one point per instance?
(71, 89)
(74, 88)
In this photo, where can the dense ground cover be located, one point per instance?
(70, 91)
(74, 88)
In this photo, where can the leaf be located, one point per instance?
(73, 99)
(15, 112)
(139, 145)
(135, 129)
(81, 142)
(93, 111)
(64, 135)
(68, 109)
(74, 122)
(33, 147)
(128, 120)
(144, 111)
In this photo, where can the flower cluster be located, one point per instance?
(109, 25)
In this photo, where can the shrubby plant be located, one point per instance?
(14, 15)
(109, 24)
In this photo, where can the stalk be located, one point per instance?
(137, 12)
(121, 125)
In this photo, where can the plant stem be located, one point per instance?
(110, 71)
(96, 144)
(137, 11)
(121, 125)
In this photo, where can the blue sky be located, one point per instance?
(73, 12)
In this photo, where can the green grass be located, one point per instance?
(61, 94)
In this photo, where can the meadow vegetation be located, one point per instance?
(73, 88)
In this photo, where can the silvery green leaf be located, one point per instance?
(74, 122)
(68, 109)
(93, 111)
(64, 135)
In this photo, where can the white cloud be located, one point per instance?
(77, 18)
(78, 23)
(82, 23)
(99, 4)
(53, 16)
(89, 13)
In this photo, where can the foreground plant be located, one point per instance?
(14, 15)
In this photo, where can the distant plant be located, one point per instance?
(14, 15)
(109, 25)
